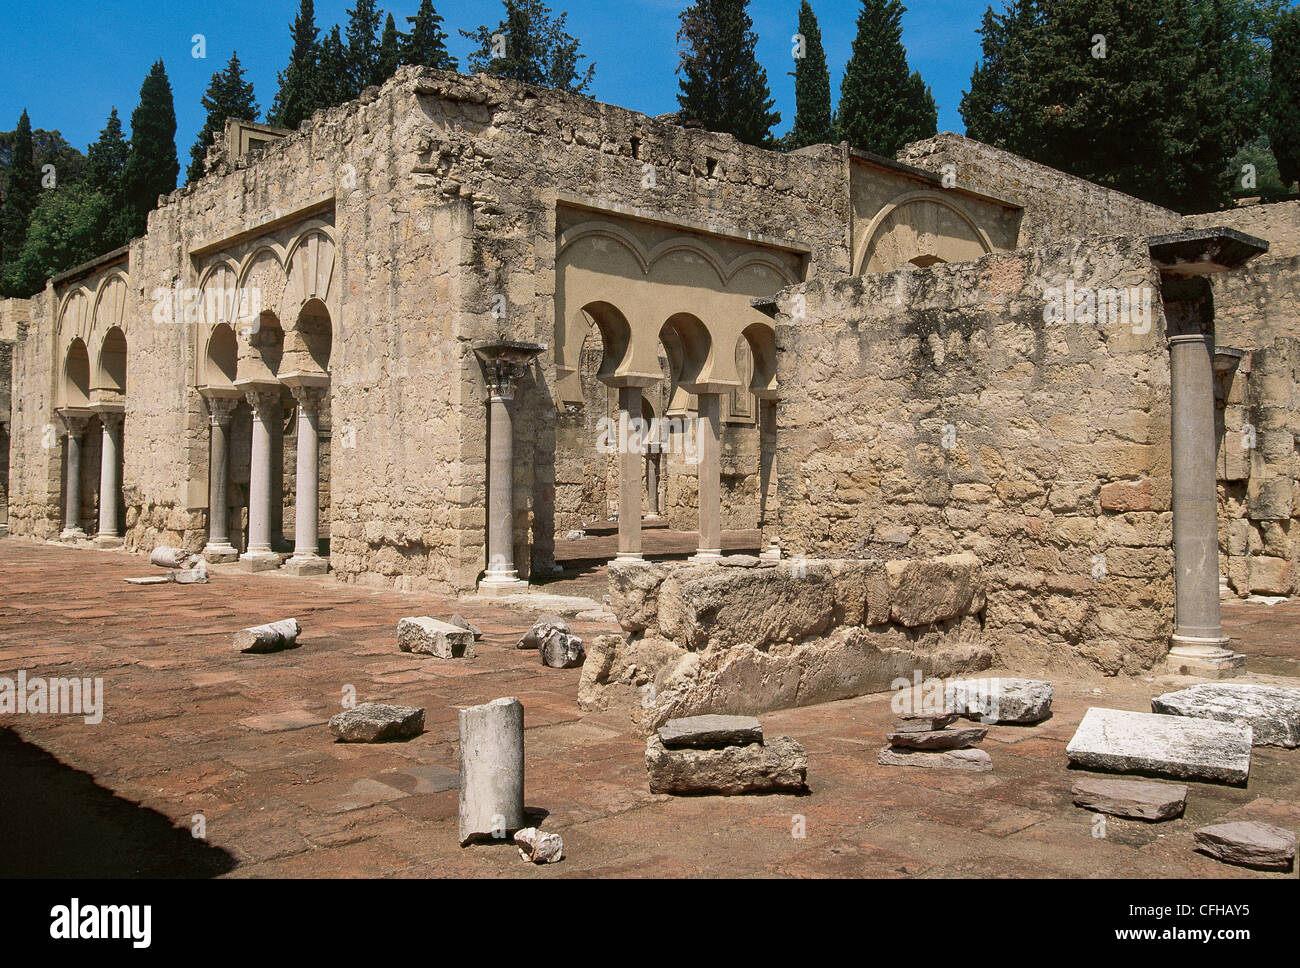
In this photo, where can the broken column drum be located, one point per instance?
(491, 770)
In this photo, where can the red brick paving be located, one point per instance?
(191, 727)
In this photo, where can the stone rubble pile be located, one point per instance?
(539, 847)
(722, 754)
(925, 739)
(555, 643)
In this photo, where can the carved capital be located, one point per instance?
(263, 399)
(76, 423)
(501, 377)
(309, 397)
(221, 410)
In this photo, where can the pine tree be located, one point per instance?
(723, 86)
(537, 50)
(228, 96)
(151, 165)
(362, 49)
(106, 158)
(21, 195)
(883, 105)
(1284, 97)
(295, 100)
(813, 123)
(426, 44)
(332, 85)
(389, 51)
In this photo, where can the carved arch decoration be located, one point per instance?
(920, 228)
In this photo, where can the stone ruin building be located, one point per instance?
(979, 409)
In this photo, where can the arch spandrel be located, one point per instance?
(920, 228)
(309, 273)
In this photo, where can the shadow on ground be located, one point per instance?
(58, 822)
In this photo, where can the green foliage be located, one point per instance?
(67, 228)
(883, 105)
(228, 96)
(1284, 97)
(426, 44)
(21, 196)
(813, 122)
(296, 99)
(536, 48)
(723, 87)
(389, 51)
(151, 165)
(362, 51)
(106, 159)
(332, 86)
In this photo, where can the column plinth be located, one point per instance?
(306, 558)
(265, 400)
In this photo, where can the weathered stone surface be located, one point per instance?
(268, 638)
(1000, 700)
(710, 730)
(373, 722)
(166, 557)
(779, 764)
(560, 650)
(538, 846)
(197, 575)
(739, 561)
(491, 769)
(1272, 713)
(1136, 799)
(928, 590)
(458, 620)
(1249, 843)
(151, 580)
(939, 739)
(974, 761)
(544, 626)
(1173, 746)
(923, 722)
(429, 636)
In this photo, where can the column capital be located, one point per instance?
(76, 420)
(309, 397)
(110, 414)
(260, 396)
(221, 410)
(504, 363)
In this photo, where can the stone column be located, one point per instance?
(709, 475)
(221, 409)
(629, 475)
(767, 491)
(1198, 643)
(306, 558)
(504, 364)
(491, 770)
(111, 416)
(652, 483)
(265, 401)
(76, 422)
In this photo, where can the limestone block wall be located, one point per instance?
(35, 447)
(1043, 448)
(1057, 206)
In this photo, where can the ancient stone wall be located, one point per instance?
(935, 411)
(1057, 206)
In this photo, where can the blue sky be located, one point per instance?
(69, 61)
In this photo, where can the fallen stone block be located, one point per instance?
(373, 722)
(701, 732)
(1249, 843)
(780, 764)
(198, 575)
(428, 636)
(1135, 799)
(458, 620)
(973, 761)
(544, 626)
(268, 638)
(923, 722)
(1172, 746)
(1272, 713)
(560, 650)
(539, 847)
(165, 557)
(491, 770)
(1002, 700)
(939, 739)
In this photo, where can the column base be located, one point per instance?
(1208, 658)
(259, 561)
(108, 541)
(220, 554)
(629, 556)
(73, 534)
(705, 556)
(501, 584)
(306, 565)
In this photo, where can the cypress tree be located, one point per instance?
(389, 51)
(362, 51)
(1284, 97)
(883, 105)
(813, 123)
(228, 96)
(723, 86)
(151, 165)
(1003, 37)
(332, 85)
(538, 50)
(21, 195)
(296, 99)
(106, 158)
(426, 44)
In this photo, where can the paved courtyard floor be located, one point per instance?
(195, 735)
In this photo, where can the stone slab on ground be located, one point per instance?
(538, 846)
(1000, 700)
(1122, 741)
(1249, 843)
(1135, 799)
(373, 722)
(974, 761)
(1272, 713)
(780, 764)
(422, 635)
(923, 722)
(939, 739)
(268, 638)
(700, 732)
(150, 580)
